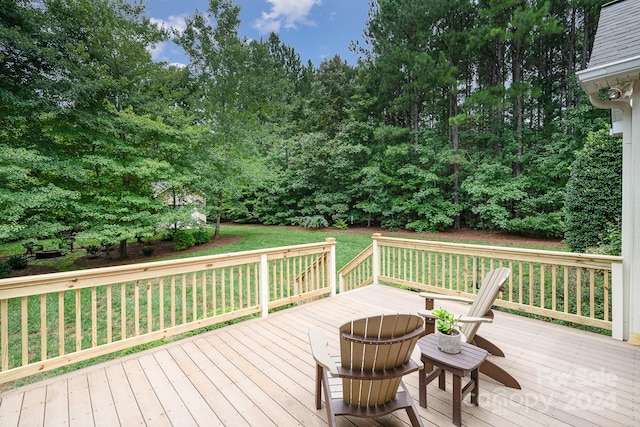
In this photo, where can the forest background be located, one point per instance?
(458, 114)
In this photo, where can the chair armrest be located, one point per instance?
(318, 340)
(446, 297)
(427, 314)
(416, 357)
(468, 319)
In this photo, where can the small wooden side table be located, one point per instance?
(437, 362)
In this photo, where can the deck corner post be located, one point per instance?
(332, 266)
(619, 320)
(264, 284)
(376, 258)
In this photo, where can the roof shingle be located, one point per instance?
(618, 35)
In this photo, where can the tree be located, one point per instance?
(94, 141)
(32, 204)
(594, 192)
(230, 98)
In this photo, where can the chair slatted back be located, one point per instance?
(376, 344)
(489, 289)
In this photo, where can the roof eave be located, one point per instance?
(603, 76)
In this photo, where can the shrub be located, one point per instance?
(147, 250)
(18, 261)
(340, 224)
(5, 269)
(594, 192)
(315, 221)
(92, 250)
(200, 236)
(183, 240)
(610, 241)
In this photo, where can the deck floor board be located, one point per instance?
(260, 372)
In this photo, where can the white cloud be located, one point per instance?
(163, 51)
(173, 22)
(157, 51)
(285, 13)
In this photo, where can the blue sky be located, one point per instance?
(316, 29)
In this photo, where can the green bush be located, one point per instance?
(92, 250)
(340, 224)
(200, 236)
(5, 269)
(594, 192)
(182, 240)
(315, 221)
(545, 224)
(148, 250)
(610, 241)
(18, 261)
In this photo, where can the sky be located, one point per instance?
(316, 29)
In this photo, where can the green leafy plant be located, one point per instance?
(594, 193)
(446, 322)
(200, 236)
(92, 250)
(315, 221)
(340, 224)
(148, 250)
(5, 269)
(182, 240)
(18, 261)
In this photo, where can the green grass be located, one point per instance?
(348, 244)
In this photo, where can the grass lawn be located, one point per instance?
(349, 243)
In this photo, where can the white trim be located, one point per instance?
(595, 78)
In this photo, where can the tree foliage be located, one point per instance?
(594, 192)
(458, 114)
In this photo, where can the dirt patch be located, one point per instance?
(464, 236)
(475, 236)
(161, 249)
(31, 270)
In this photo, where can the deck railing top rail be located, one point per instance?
(553, 257)
(36, 285)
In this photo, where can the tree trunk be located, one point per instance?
(218, 215)
(517, 58)
(415, 116)
(586, 38)
(123, 249)
(570, 101)
(455, 142)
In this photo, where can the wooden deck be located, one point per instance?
(260, 373)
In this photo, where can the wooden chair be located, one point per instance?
(479, 312)
(375, 353)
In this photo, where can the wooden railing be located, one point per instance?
(357, 272)
(53, 320)
(565, 286)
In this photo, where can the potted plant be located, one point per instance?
(449, 337)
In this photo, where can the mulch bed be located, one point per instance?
(165, 248)
(162, 248)
(134, 255)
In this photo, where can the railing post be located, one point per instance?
(332, 265)
(375, 258)
(619, 324)
(264, 284)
